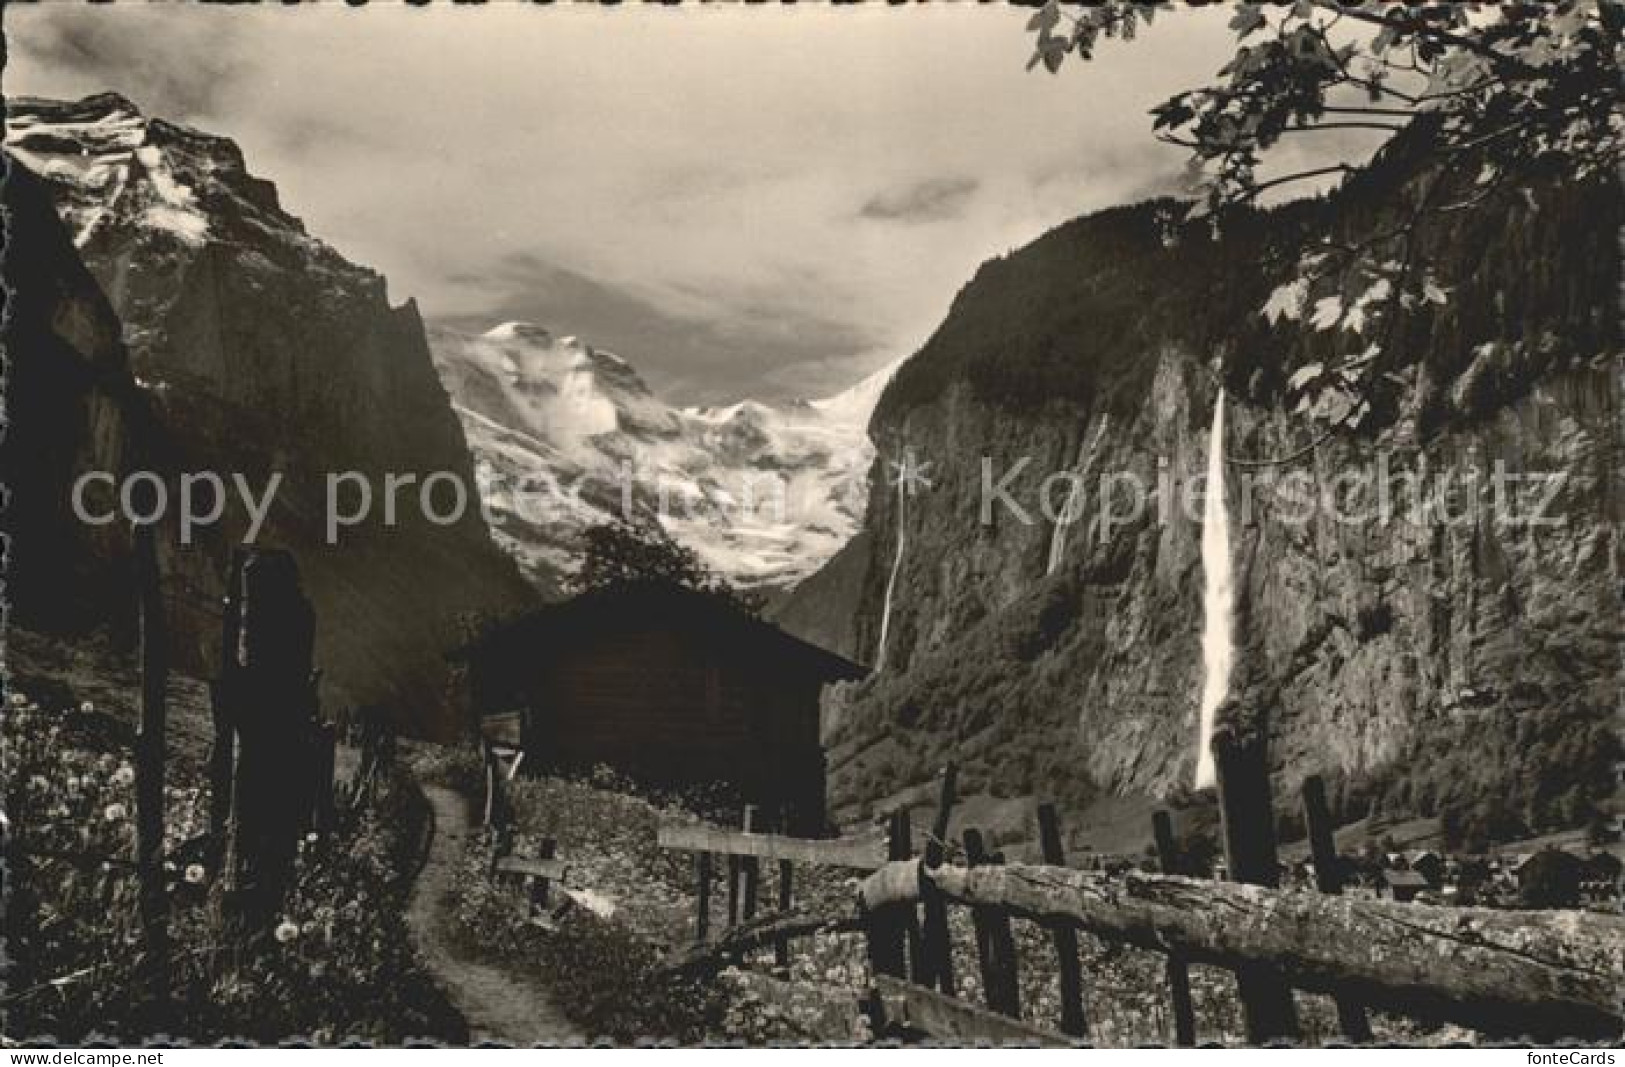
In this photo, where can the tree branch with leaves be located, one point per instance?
(1503, 97)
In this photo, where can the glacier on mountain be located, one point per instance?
(566, 435)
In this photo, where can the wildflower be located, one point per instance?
(286, 931)
(87, 707)
(18, 700)
(114, 812)
(195, 873)
(125, 775)
(311, 837)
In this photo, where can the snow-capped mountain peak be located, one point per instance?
(567, 435)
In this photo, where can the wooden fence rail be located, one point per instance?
(734, 943)
(1498, 972)
(744, 850)
(902, 1003)
(864, 853)
(1505, 974)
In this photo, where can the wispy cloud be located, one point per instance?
(180, 75)
(741, 201)
(932, 200)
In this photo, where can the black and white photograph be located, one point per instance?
(671, 525)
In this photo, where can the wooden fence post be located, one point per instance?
(732, 871)
(1248, 818)
(936, 949)
(540, 885)
(322, 807)
(902, 844)
(1317, 818)
(273, 709)
(995, 944)
(1074, 1019)
(222, 710)
(750, 873)
(702, 916)
(781, 947)
(498, 821)
(884, 926)
(1179, 975)
(149, 763)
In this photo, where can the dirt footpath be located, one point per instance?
(500, 1007)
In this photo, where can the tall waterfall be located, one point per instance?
(891, 581)
(1075, 499)
(1218, 596)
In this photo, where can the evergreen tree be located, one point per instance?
(619, 552)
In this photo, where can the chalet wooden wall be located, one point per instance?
(678, 707)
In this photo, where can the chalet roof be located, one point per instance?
(617, 607)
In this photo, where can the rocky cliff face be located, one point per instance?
(1425, 664)
(72, 407)
(263, 350)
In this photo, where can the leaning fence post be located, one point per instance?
(1178, 972)
(149, 761)
(489, 760)
(1247, 816)
(995, 944)
(1329, 879)
(1074, 1020)
(936, 950)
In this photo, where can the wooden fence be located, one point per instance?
(1505, 974)
(743, 851)
(271, 762)
(540, 877)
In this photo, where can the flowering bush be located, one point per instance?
(336, 965)
(457, 767)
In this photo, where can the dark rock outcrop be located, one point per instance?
(71, 407)
(264, 351)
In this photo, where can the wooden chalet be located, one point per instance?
(670, 686)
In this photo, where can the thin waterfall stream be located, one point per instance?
(1218, 597)
(891, 580)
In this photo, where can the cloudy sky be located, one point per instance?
(754, 201)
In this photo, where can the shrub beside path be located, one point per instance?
(501, 1007)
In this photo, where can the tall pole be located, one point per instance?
(1247, 819)
(149, 763)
